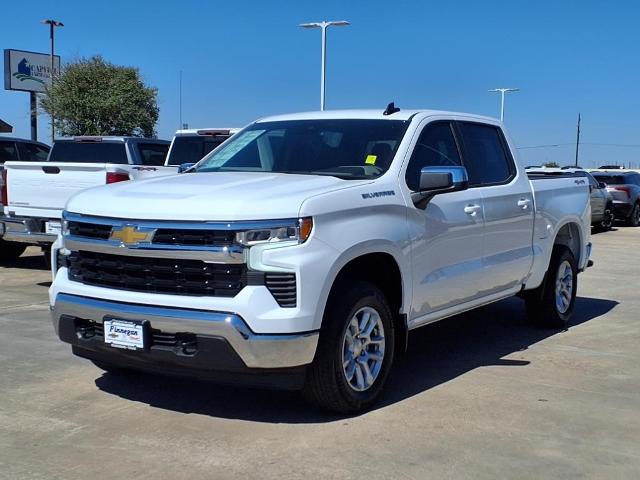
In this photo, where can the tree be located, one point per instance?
(552, 165)
(95, 97)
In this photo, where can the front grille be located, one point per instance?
(90, 230)
(206, 238)
(157, 275)
(283, 288)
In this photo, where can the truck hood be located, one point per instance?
(223, 196)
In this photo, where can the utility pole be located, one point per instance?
(323, 55)
(577, 139)
(52, 25)
(502, 92)
(180, 96)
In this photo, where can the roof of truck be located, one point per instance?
(109, 138)
(198, 131)
(377, 114)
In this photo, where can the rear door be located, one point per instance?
(598, 198)
(508, 206)
(446, 233)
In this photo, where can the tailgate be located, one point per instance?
(37, 188)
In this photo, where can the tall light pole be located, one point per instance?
(502, 92)
(52, 25)
(323, 27)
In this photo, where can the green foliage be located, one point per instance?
(94, 97)
(552, 165)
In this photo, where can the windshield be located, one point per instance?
(190, 149)
(349, 149)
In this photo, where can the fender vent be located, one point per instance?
(283, 288)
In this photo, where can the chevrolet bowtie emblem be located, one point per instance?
(131, 235)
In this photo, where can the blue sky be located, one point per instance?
(243, 60)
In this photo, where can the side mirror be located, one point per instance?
(602, 185)
(184, 167)
(434, 180)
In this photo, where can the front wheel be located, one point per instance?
(355, 350)
(551, 304)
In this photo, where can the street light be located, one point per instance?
(52, 25)
(323, 26)
(502, 92)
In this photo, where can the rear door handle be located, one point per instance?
(472, 209)
(523, 203)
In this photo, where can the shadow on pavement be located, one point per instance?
(29, 262)
(437, 353)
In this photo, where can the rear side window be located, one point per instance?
(436, 147)
(152, 153)
(191, 149)
(30, 152)
(8, 152)
(89, 152)
(485, 156)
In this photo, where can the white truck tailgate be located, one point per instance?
(43, 188)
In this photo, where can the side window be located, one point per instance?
(30, 152)
(153, 153)
(436, 147)
(484, 154)
(8, 152)
(593, 182)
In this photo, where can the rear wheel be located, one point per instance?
(355, 350)
(607, 220)
(551, 304)
(634, 217)
(11, 250)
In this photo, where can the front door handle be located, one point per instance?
(523, 203)
(472, 209)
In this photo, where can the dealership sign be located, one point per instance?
(28, 71)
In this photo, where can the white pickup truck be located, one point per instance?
(302, 251)
(34, 193)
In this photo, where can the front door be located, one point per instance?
(446, 233)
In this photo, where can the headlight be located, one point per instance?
(298, 232)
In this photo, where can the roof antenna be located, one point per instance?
(391, 109)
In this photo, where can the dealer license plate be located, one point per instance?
(52, 228)
(124, 334)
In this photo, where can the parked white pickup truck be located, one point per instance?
(35, 193)
(190, 145)
(302, 251)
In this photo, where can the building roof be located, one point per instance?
(5, 127)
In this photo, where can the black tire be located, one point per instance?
(46, 253)
(608, 219)
(326, 383)
(542, 308)
(633, 220)
(11, 250)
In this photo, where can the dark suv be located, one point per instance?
(21, 150)
(624, 187)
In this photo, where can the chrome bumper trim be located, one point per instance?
(208, 254)
(25, 230)
(255, 350)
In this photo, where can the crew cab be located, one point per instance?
(34, 193)
(301, 252)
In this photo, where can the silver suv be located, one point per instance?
(624, 187)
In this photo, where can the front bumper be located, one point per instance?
(25, 230)
(185, 342)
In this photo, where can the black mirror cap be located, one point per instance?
(602, 185)
(443, 179)
(184, 167)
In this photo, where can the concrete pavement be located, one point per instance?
(482, 395)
